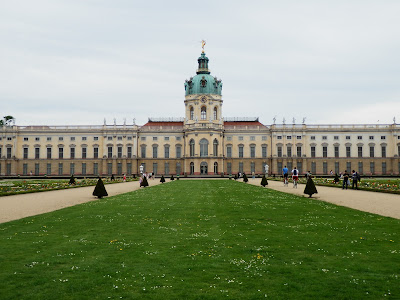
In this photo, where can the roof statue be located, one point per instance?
(203, 43)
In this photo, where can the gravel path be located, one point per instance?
(21, 206)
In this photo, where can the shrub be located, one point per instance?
(100, 189)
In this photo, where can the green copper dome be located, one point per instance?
(203, 82)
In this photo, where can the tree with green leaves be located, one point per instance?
(100, 189)
(310, 188)
(162, 180)
(7, 120)
(172, 177)
(264, 181)
(336, 179)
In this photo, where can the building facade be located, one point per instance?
(201, 143)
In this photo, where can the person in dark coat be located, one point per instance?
(310, 188)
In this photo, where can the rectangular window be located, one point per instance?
(336, 151)
(96, 169)
(25, 169)
(371, 137)
(252, 167)
(60, 138)
(336, 137)
(60, 168)
(60, 153)
(178, 168)
(289, 137)
(166, 152)
(229, 168)
(48, 153)
(312, 137)
(84, 138)
(37, 169)
(8, 170)
(240, 138)
(324, 137)
(119, 152)
(298, 148)
(48, 169)
(325, 168)
(279, 137)
(129, 151)
(155, 168)
(178, 151)
(83, 168)
(143, 151)
(348, 137)
(154, 138)
(398, 150)
(290, 165)
(72, 154)
(264, 151)
(84, 152)
(109, 138)
(348, 166)
(229, 138)
(48, 138)
(129, 138)
(228, 151)
(72, 138)
(324, 152)
(360, 167)
(298, 137)
(383, 151)
(155, 151)
(109, 169)
(252, 151)
(383, 137)
(119, 138)
(36, 139)
(337, 170)
(279, 151)
(264, 138)
(313, 167)
(241, 167)
(372, 167)
(252, 138)
(166, 138)
(37, 153)
(166, 168)
(360, 151)
(240, 151)
(300, 167)
(383, 168)
(372, 151)
(95, 152)
(280, 167)
(313, 152)
(109, 152)
(348, 154)
(178, 138)
(95, 138)
(143, 138)
(26, 139)
(289, 151)
(129, 168)
(25, 153)
(119, 168)
(8, 152)
(72, 169)
(359, 137)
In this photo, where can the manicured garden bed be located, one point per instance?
(33, 186)
(201, 239)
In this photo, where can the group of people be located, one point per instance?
(295, 175)
(355, 178)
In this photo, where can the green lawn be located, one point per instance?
(201, 239)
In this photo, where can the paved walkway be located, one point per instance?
(21, 206)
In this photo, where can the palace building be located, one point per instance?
(200, 143)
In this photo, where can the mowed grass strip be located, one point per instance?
(201, 239)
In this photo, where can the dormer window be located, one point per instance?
(203, 82)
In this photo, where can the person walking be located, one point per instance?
(295, 177)
(345, 180)
(354, 177)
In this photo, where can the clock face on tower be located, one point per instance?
(203, 99)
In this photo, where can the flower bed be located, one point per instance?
(373, 185)
(33, 186)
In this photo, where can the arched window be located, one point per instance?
(215, 113)
(191, 113)
(191, 146)
(204, 113)
(215, 147)
(203, 147)
(215, 168)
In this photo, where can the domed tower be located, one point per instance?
(203, 100)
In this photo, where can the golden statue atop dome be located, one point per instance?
(203, 43)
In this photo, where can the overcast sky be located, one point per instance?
(77, 62)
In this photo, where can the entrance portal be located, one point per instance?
(203, 168)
